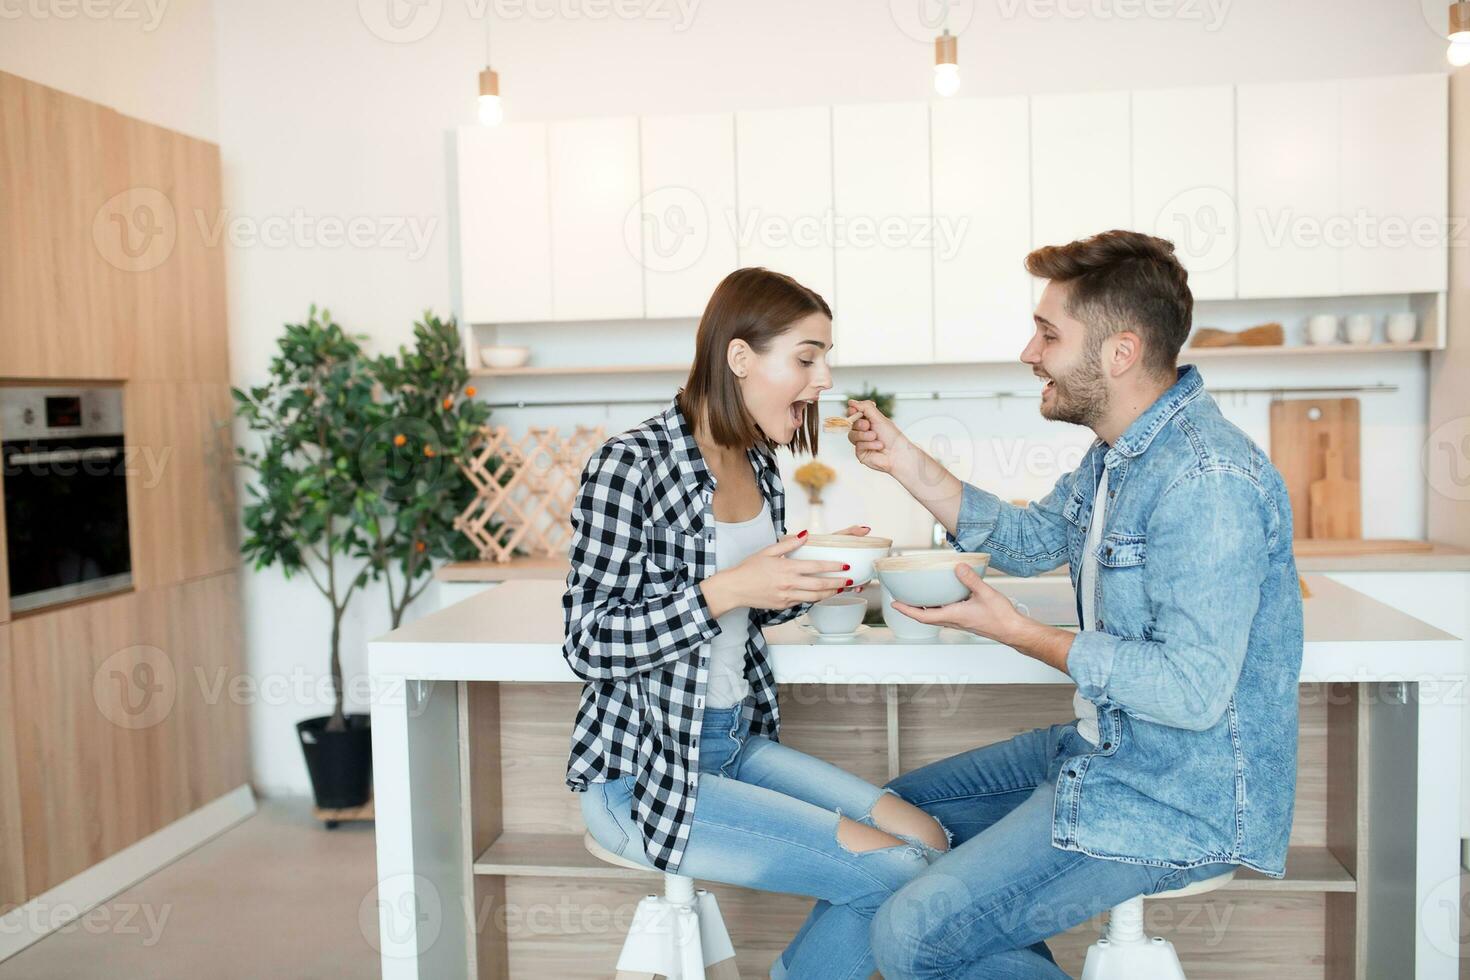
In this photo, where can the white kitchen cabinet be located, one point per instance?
(687, 218)
(1290, 188)
(504, 237)
(1395, 178)
(885, 273)
(784, 193)
(1184, 180)
(981, 181)
(1081, 178)
(596, 272)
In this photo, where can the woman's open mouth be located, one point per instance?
(798, 413)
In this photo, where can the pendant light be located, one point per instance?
(1459, 51)
(491, 111)
(947, 63)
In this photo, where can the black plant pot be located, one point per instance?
(340, 763)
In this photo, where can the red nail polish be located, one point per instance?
(801, 534)
(849, 581)
(846, 568)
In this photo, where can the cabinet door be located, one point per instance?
(1395, 178)
(784, 193)
(687, 216)
(595, 273)
(885, 272)
(982, 228)
(504, 236)
(1289, 188)
(1184, 180)
(1080, 175)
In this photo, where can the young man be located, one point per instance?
(1177, 532)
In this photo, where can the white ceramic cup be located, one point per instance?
(904, 627)
(1360, 328)
(839, 615)
(1402, 328)
(1322, 329)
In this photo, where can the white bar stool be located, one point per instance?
(679, 935)
(1125, 953)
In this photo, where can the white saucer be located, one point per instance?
(834, 637)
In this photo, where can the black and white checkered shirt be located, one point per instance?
(638, 628)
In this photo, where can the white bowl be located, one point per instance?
(904, 627)
(505, 357)
(839, 614)
(859, 551)
(928, 580)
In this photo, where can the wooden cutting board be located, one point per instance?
(1335, 501)
(1303, 430)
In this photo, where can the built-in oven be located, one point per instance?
(66, 497)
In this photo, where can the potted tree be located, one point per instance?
(301, 513)
(414, 489)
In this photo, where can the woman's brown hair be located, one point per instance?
(756, 306)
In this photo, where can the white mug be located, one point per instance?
(1360, 328)
(1322, 329)
(1402, 328)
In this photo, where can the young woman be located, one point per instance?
(678, 561)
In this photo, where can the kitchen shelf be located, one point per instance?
(1308, 869)
(1185, 355)
(1190, 353)
(572, 370)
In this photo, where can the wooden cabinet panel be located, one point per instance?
(784, 188)
(12, 853)
(688, 210)
(64, 308)
(595, 272)
(1184, 180)
(982, 221)
(125, 719)
(181, 481)
(177, 291)
(504, 232)
(885, 257)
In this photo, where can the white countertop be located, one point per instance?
(514, 632)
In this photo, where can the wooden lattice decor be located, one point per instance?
(527, 485)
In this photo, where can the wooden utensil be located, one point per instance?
(1298, 430)
(1336, 501)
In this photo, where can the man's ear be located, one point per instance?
(738, 356)
(1127, 351)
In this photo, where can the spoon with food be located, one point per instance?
(837, 423)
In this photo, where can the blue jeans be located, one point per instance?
(766, 817)
(985, 908)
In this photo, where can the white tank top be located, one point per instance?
(733, 544)
(1086, 710)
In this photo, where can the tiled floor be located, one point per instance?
(277, 896)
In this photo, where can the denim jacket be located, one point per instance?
(1197, 653)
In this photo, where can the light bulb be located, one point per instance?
(946, 79)
(491, 112)
(1459, 53)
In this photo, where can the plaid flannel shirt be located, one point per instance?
(638, 627)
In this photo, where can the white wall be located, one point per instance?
(151, 59)
(321, 118)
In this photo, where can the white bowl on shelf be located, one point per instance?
(928, 579)
(859, 551)
(839, 615)
(505, 358)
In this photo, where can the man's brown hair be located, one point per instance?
(1124, 280)
(757, 306)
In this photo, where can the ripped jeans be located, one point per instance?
(766, 818)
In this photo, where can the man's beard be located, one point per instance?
(1082, 396)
